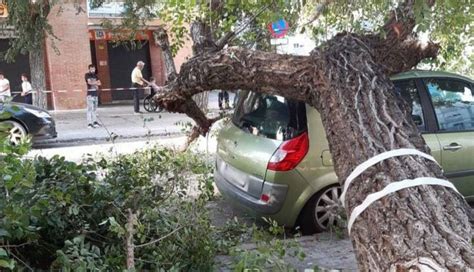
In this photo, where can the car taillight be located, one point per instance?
(289, 154)
(265, 198)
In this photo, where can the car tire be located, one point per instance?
(17, 132)
(321, 211)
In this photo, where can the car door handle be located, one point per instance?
(452, 147)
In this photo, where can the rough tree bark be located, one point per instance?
(161, 39)
(38, 77)
(347, 81)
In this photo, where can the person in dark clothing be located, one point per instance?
(223, 97)
(93, 83)
(26, 89)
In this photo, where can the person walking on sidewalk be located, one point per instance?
(4, 88)
(93, 84)
(26, 89)
(138, 83)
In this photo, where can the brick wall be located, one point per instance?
(183, 54)
(67, 69)
(157, 64)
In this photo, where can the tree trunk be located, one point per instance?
(347, 81)
(362, 117)
(202, 42)
(161, 39)
(38, 77)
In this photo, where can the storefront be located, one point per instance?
(116, 60)
(13, 70)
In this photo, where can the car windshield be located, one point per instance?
(269, 116)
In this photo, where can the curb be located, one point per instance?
(47, 143)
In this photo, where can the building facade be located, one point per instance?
(82, 41)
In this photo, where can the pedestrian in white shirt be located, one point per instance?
(26, 89)
(4, 88)
(138, 82)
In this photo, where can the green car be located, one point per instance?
(273, 158)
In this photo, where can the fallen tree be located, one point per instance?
(347, 80)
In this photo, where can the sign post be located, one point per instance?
(279, 28)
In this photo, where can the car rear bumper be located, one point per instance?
(239, 194)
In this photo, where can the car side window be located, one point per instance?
(408, 91)
(453, 103)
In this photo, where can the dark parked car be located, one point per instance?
(26, 120)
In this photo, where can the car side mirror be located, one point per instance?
(417, 119)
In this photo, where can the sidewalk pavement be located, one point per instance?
(119, 120)
(204, 145)
(114, 119)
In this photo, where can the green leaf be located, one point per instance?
(3, 252)
(4, 233)
(10, 264)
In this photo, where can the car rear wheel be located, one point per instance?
(17, 132)
(322, 211)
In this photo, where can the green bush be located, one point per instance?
(62, 215)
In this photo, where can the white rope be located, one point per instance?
(376, 159)
(393, 187)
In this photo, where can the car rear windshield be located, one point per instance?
(269, 116)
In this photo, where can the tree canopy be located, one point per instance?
(446, 22)
(27, 23)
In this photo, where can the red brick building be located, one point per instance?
(83, 41)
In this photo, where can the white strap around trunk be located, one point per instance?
(393, 187)
(376, 159)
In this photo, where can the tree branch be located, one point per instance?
(14, 246)
(202, 38)
(318, 10)
(197, 131)
(129, 246)
(159, 239)
(404, 56)
(229, 36)
(21, 261)
(236, 68)
(400, 50)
